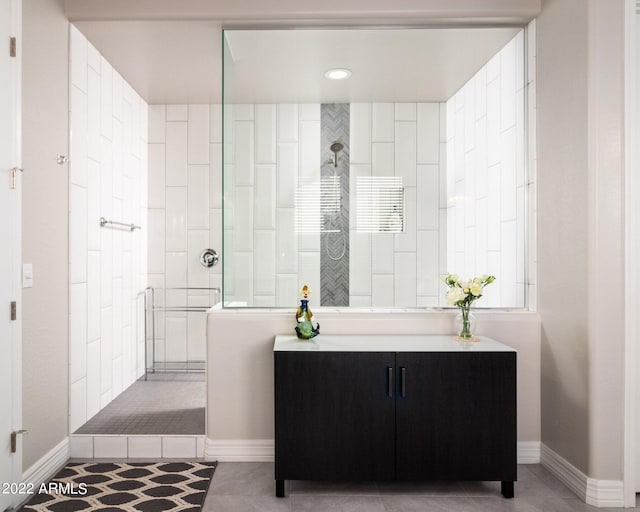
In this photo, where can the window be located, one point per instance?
(379, 204)
(315, 202)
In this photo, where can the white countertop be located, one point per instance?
(386, 343)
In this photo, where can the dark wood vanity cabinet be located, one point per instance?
(348, 416)
(457, 418)
(334, 418)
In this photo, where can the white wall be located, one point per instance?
(581, 225)
(185, 217)
(487, 182)
(406, 140)
(606, 232)
(107, 178)
(271, 149)
(563, 205)
(240, 371)
(45, 236)
(282, 144)
(632, 217)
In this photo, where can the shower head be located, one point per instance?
(335, 147)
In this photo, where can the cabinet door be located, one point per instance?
(334, 417)
(457, 418)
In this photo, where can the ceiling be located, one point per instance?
(166, 62)
(178, 62)
(278, 66)
(331, 12)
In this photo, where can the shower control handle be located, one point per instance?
(209, 258)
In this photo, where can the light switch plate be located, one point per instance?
(27, 275)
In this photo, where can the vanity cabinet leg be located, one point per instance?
(280, 488)
(508, 489)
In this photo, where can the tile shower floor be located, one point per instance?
(166, 403)
(250, 487)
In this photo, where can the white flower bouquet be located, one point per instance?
(462, 294)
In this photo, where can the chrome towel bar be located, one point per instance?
(104, 222)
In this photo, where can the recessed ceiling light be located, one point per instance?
(338, 74)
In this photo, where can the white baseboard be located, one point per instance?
(528, 452)
(43, 469)
(605, 493)
(239, 450)
(566, 472)
(262, 450)
(598, 493)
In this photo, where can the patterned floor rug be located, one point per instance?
(125, 487)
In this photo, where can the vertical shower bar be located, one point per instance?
(153, 330)
(145, 307)
(145, 335)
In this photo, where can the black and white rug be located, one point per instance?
(125, 487)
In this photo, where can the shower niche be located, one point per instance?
(368, 189)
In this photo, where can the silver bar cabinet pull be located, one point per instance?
(403, 381)
(389, 381)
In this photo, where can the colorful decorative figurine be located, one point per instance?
(307, 328)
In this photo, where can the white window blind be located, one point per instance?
(379, 204)
(314, 201)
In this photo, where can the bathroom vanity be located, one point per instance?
(383, 408)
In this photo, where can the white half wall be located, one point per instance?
(240, 398)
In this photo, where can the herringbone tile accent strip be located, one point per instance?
(334, 255)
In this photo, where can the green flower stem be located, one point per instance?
(466, 325)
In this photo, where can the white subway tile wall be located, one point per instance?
(487, 185)
(405, 140)
(277, 147)
(185, 217)
(274, 148)
(108, 159)
(465, 178)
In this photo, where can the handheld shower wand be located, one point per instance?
(336, 147)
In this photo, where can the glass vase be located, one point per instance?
(464, 322)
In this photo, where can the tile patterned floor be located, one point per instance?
(250, 487)
(166, 403)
